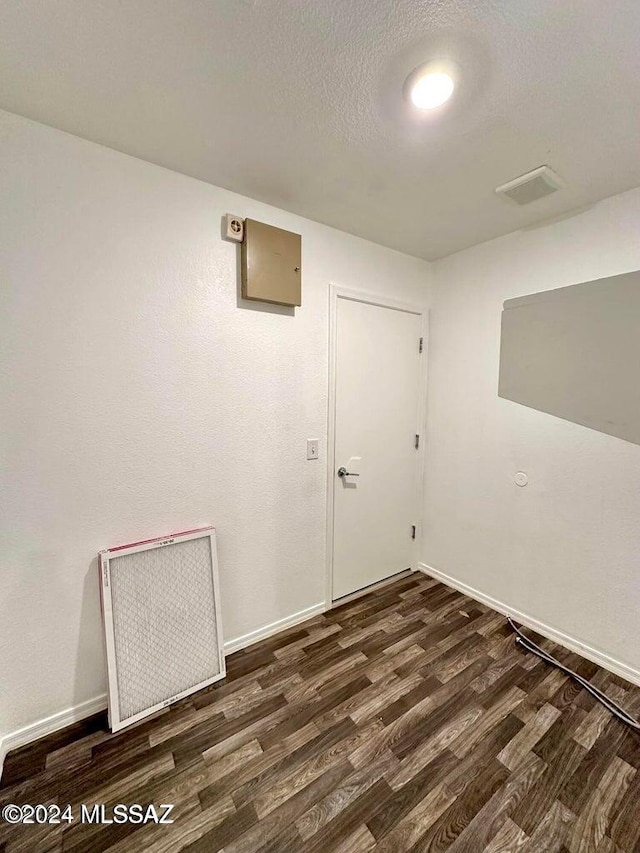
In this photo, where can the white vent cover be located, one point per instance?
(161, 613)
(532, 186)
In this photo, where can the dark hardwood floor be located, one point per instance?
(404, 721)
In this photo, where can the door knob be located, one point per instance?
(342, 472)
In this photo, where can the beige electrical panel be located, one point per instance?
(271, 264)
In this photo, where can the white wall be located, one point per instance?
(138, 397)
(564, 550)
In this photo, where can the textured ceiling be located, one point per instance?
(299, 103)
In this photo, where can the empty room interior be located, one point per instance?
(319, 426)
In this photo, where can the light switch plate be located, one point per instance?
(312, 448)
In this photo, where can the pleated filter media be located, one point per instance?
(163, 631)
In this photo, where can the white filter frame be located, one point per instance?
(116, 722)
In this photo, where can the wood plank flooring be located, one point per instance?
(406, 720)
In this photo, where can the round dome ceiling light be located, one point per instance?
(430, 86)
(432, 90)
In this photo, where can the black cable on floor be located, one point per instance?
(609, 704)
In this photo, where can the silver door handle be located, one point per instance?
(342, 472)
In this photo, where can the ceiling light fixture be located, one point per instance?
(430, 85)
(432, 90)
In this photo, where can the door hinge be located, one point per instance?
(416, 443)
(413, 531)
(420, 345)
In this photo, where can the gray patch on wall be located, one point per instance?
(574, 353)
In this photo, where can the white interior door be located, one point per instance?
(377, 410)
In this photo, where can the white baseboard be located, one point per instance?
(274, 628)
(594, 655)
(3, 753)
(49, 725)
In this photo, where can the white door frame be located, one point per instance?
(337, 292)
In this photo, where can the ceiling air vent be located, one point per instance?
(532, 186)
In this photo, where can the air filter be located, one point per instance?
(532, 186)
(161, 615)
